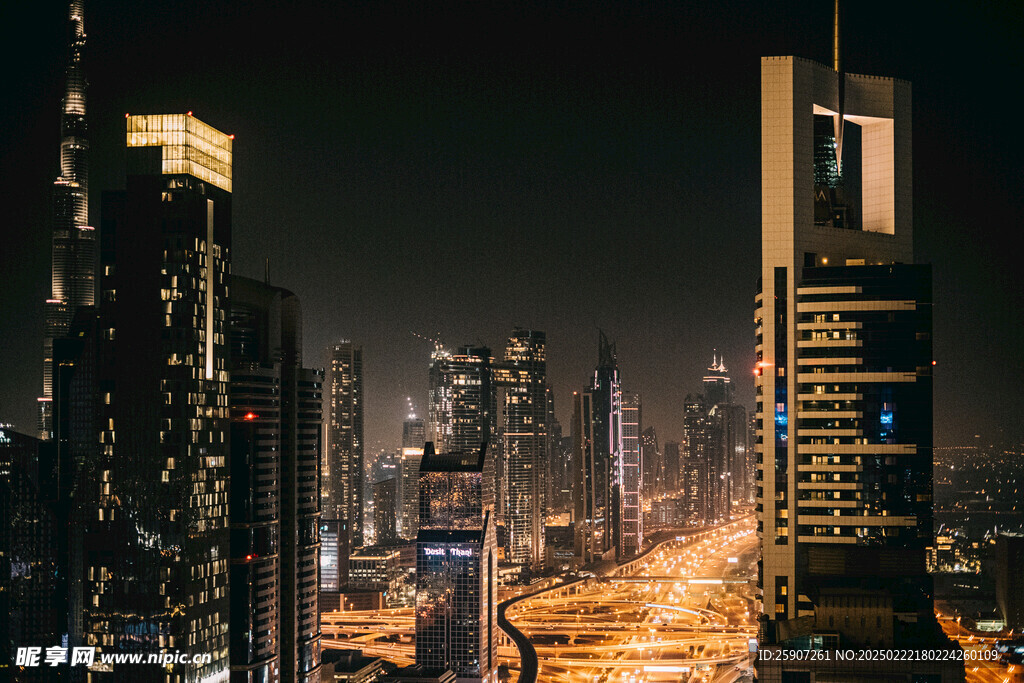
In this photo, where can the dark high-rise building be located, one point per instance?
(591, 489)
(31, 598)
(73, 275)
(653, 464)
(844, 382)
(1009, 574)
(597, 456)
(344, 397)
(414, 432)
(523, 376)
(276, 419)
(671, 458)
(385, 511)
(155, 548)
(631, 514)
(717, 384)
(456, 566)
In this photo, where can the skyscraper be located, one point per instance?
(698, 471)
(597, 458)
(717, 384)
(631, 478)
(385, 511)
(155, 545)
(523, 375)
(408, 494)
(456, 566)
(30, 572)
(73, 281)
(276, 420)
(844, 384)
(462, 408)
(344, 395)
(653, 464)
(414, 432)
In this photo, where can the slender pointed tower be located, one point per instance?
(74, 240)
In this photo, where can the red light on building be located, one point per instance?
(250, 416)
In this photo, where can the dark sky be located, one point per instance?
(461, 168)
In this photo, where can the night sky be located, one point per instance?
(457, 169)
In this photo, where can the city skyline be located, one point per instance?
(518, 139)
(202, 506)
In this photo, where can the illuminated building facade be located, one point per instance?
(844, 374)
(155, 547)
(409, 490)
(631, 513)
(523, 379)
(276, 409)
(345, 476)
(73, 274)
(333, 556)
(457, 566)
(376, 569)
(463, 404)
(696, 472)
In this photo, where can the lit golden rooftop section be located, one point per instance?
(189, 145)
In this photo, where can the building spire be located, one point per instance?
(73, 240)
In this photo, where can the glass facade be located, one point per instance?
(456, 566)
(187, 146)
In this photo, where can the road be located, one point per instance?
(979, 668)
(683, 614)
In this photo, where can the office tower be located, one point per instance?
(1010, 579)
(376, 569)
(385, 511)
(456, 566)
(548, 469)
(462, 409)
(597, 446)
(671, 456)
(409, 492)
(344, 395)
(631, 510)
(30, 583)
(414, 432)
(523, 376)
(653, 465)
(590, 483)
(693, 490)
(731, 430)
(699, 470)
(333, 563)
(717, 384)
(844, 384)
(73, 274)
(155, 548)
(276, 419)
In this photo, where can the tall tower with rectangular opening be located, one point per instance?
(844, 372)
